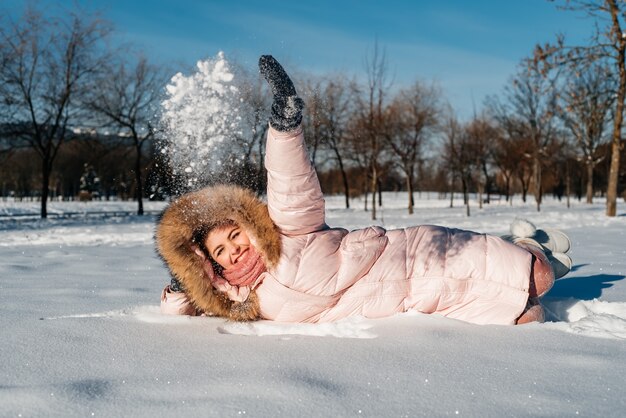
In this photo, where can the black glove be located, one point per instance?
(175, 285)
(287, 107)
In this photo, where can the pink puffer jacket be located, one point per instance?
(325, 274)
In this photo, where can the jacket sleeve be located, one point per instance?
(176, 303)
(294, 197)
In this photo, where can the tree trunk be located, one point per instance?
(373, 185)
(466, 196)
(45, 180)
(344, 177)
(452, 192)
(589, 183)
(537, 180)
(138, 181)
(487, 184)
(409, 188)
(465, 191)
(611, 191)
(508, 187)
(366, 198)
(568, 182)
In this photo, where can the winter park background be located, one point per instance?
(80, 286)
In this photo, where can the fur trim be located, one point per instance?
(205, 208)
(522, 228)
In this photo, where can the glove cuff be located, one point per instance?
(175, 285)
(286, 113)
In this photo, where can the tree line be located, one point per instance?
(69, 101)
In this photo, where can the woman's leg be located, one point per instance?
(541, 274)
(534, 312)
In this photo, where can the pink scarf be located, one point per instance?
(247, 271)
(238, 281)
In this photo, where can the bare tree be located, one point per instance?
(587, 102)
(372, 113)
(411, 119)
(312, 117)
(357, 147)
(46, 66)
(483, 136)
(532, 104)
(450, 132)
(459, 158)
(334, 115)
(126, 97)
(607, 43)
(515, 151)
(255, 114)
(506, 155)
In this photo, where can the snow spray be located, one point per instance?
(200, 112)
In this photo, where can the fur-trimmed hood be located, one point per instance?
(206, 208)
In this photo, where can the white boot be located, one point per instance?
(554, 243)
(553, 239)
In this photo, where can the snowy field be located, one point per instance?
(82, 334)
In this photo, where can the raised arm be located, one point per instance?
(294, 196)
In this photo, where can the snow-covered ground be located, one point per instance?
(82, 334)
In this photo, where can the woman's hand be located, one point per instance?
(206, 263)
(287, 108)
(176, 303)
(276, 76)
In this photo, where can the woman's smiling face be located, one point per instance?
(227, 245)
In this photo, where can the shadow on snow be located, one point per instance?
(583, 288)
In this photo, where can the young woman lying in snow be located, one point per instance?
(233, 256)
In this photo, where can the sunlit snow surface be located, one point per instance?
(83, 335)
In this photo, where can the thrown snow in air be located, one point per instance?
(200, 112)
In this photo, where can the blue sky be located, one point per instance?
(469, 47)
